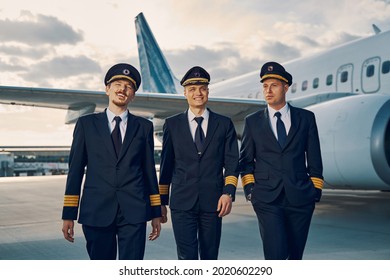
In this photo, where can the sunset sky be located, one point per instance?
(71, 44)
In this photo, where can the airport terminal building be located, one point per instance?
(33, 161)
(38, 161)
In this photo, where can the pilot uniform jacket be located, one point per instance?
(128, 181)
(197, 177)
(267, 169)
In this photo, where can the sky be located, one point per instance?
(71, 44)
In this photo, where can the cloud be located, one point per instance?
(33, 126)
(339, 38)
(308, 41)
(39, 29)
(228, 38)
(222, 62)
(279, 51)
(63, 67)
(4, 66)
(225, 60)
(25, 51)
(33, 48)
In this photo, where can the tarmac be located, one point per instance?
(347, 225)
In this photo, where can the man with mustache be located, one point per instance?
(115, 150)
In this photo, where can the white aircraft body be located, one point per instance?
(347, 87)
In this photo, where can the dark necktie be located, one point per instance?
(199, 135)
(116, 136)
(281, 130)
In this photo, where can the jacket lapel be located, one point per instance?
(104, 131)
(295, 121)
(211, 128)
(131, 131)
(267, 129)
(184, 127)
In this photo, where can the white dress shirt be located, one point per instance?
(194, 124)
(285, 117)
(122, 124)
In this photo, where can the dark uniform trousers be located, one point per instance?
(196, 230)
(284, 228)
(102, 241)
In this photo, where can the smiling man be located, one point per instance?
(120, 191)
(199, 169)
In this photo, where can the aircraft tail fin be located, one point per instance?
(377, 30)
(156, 73)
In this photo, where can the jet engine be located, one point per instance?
(355, 141)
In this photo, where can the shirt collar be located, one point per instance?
(111, 116)
(205, 115)
(284, 111)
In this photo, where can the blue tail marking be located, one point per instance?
(156, 73)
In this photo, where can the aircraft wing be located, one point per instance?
(165, 105)
(51, 98)
(150, 105)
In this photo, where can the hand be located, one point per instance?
(156, 228)
(68, 230)
(317, 198)
(224, 205)
(164, 212)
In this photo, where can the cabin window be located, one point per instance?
(294, 88)
(370, 71)
(304, 85)
(316, 82)
(329, 79)
(386, 67)
(344, 76)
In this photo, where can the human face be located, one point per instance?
(120, 93)
(274, 92)
(197, 96)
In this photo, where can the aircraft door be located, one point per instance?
(344, 78)
(370, 75)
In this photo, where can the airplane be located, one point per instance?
(347, 87)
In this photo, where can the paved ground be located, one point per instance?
(347, 225)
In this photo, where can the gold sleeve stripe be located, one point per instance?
(163, 189)
(318, 183)
(248, 179)
(231, 180)
(155, 200)
(71, 200)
